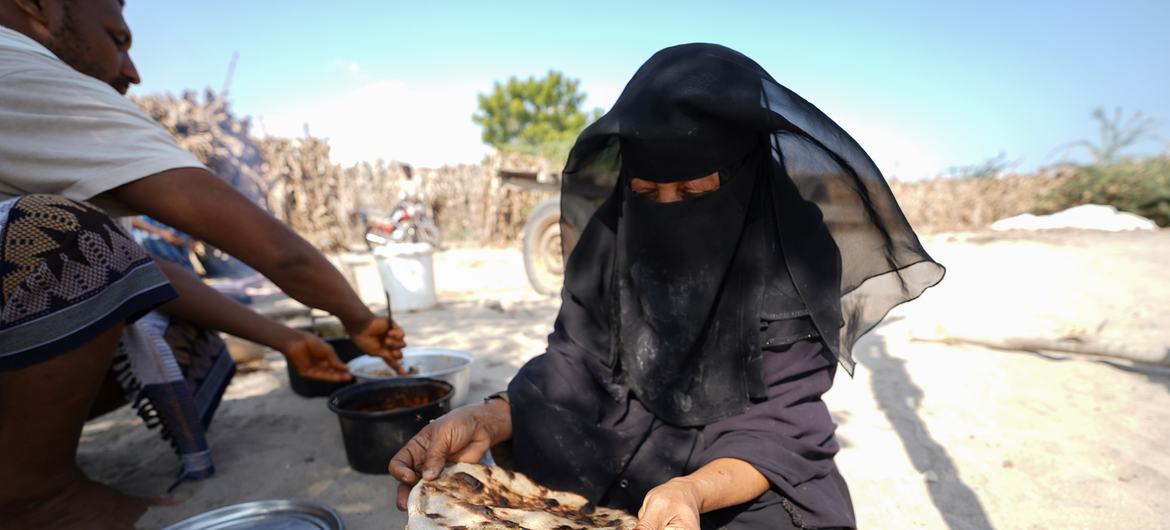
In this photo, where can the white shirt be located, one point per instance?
(65, 133)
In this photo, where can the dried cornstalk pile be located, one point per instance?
(509, 210)
(293, 179)
(457, 197)
(208, 129)
(470, 203)
(376, 185)
(296, 180)
(944, 205)
(307, 191)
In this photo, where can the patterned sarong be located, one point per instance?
(67, 273)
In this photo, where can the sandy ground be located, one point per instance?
(933, 436)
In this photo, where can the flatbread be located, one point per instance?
(479, 497)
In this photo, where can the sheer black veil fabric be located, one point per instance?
(689, 111)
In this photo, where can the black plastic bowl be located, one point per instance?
(379, 417)
(306, 387)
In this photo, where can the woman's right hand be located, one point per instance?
(462, 435)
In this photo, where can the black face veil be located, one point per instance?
(669, 294)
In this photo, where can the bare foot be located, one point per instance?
(82, 504)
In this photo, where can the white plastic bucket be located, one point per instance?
(408, 274)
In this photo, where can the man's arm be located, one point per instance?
(207, 308)
(199, 203)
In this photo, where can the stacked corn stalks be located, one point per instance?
(308, 192)
(208, 129)
(296, 181)
(945, 205)
(509, 209)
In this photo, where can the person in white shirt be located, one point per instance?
(74, 155)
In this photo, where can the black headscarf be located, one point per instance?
(668, 295)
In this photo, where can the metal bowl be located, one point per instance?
(284, 514)
(452, 366)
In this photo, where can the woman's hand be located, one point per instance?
(313, 358)
(380, 337)
(462, 435)
(677, 503)
(674, 505)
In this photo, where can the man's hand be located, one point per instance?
(314, 358)
(381, 338)
(674, 505)
(462, 435)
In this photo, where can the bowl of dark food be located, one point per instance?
(452, 366)
(306, 387)
(378, 418)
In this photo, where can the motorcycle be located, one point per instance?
(407, 223)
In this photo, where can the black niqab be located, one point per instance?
(668, 295)
(688, 298)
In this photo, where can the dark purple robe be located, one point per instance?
(573, 431)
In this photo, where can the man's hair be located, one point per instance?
(68, 19)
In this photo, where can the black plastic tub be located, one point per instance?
(378, 418)
(306, 387)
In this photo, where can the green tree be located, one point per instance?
(1140, 186)
(535, 116)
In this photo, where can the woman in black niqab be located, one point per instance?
(671, 309)
(698, 330)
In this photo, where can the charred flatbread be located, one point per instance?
(478, 497)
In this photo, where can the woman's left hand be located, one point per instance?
(674, 505)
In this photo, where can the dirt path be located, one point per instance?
(933, 436)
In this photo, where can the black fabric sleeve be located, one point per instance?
(789, 438)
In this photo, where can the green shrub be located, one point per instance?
(1138, 186)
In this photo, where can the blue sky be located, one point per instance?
(923, 86)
